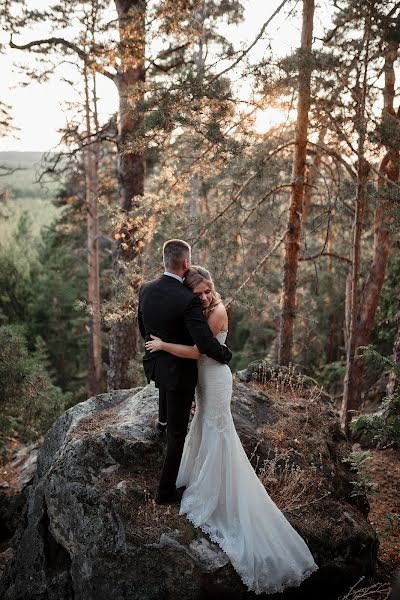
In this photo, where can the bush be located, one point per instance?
(383, 427)
(30, 401)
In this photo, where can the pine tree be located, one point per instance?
(292, 241)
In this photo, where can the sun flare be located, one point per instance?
(268, 118)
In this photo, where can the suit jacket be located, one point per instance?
(171, 311)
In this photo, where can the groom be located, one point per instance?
(171, 311)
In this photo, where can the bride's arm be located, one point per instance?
(176, 349)
(216, 321)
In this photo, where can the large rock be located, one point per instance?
(15, 478)
(91, 529)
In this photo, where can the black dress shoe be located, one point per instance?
(176, 497)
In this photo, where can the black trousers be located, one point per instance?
(177, 404)
(162, 406)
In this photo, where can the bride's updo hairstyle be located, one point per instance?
(196, 275)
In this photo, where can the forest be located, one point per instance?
(280, 168)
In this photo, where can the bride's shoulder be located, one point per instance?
(219, 310)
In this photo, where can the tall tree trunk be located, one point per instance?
(352, 283)
(196, 182)
(312, 175)
(354, 274)
(363, 316)
(91, 169)
(292, 242)
(131, 171)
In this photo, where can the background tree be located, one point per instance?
(123, 63)
(129, 78)
(213, 177)
(292, 241)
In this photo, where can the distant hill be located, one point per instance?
(20, 159)
(23, 183)
(25, 196)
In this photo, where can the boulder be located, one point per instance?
(15, 479)
(91, 530)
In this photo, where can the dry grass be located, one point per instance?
(290, 486)
(134, 502)
(298, 461)
(378, 591)
(146, 520)
(288, 381)
(96, 421)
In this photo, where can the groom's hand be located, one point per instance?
(154, 344)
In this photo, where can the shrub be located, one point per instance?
(30, 401)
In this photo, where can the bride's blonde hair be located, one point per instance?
(196, 275)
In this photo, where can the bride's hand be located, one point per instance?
(155, 344)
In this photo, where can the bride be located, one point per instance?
(223, 495)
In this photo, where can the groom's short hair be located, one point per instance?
(174, 253)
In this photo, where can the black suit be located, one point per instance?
(169, 310)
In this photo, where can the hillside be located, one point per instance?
(20, 159)
(24, 193)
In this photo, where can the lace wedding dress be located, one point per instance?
(225, 498)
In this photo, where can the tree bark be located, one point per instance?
(196, 182)
(292, 241)
(91, 155)
(130, 78)
(352, 286)
(312, 175)
(352, 283)
(363, 316)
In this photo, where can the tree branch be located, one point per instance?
(247, 50)
(56, 41)
(265, 197)
(331, 254)
(337, 156)
(260, 264)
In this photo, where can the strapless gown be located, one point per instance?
(225, 498)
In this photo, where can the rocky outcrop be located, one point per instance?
(91, 530)
(15, 479)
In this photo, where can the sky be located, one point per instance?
(41, 109)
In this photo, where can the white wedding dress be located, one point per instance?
(225, 498)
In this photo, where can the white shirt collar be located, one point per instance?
(173, 275)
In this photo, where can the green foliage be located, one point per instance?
(385, 322)
(217, 181)
(30, 400)
(362, 485)
(29, 369)
(40, 281)
(249, 343)
(331, 375)
(376, 359)
(60, 281)
(382, 428)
